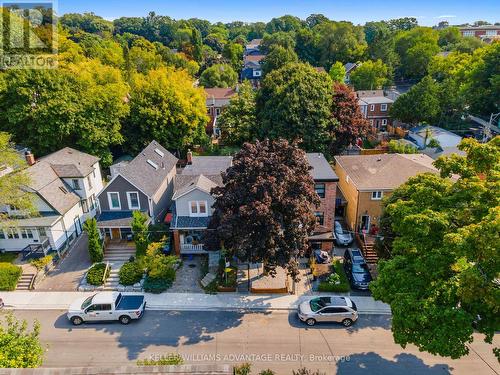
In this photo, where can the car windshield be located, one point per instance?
(317, 304)
(87, 302)
(359, 268)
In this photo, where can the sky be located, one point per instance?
(427, 12)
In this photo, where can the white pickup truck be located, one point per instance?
(107, 306)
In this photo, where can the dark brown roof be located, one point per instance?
(220, 92)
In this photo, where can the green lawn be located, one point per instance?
(8, 257)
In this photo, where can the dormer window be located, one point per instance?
(76, 184)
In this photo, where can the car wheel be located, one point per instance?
(310, 322)
(124, 319)
(347, 322)
(76, 320)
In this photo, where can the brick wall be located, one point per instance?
(327, 206)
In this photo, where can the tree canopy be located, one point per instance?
(371, 75)
(277, 57)
(264, 211)
(442, 236)
(219, 75)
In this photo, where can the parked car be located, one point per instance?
(328, 309)
(356, 269)
(342, 237)
(107, 306)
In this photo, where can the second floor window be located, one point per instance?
(372, 107)
(383, 107)
(76, 184)
(133, 200)
(198, 208)
(89, 180)
(85, 206)
(217, 111)
(114, 200)
(377, 195)
(320, 217)
(320, 190)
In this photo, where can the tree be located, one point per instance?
(140, 231)
(337, 72)
(79, 105)
(371, 75)
(95, 245)
(306, 46)
(264, 211)
(403, 24)
(219, 75)
(444, 246)
(280, 38)
(277, 57)
(88, 22)
(316, 19)
(294, 103)
(349, 122)
(164, 105)
(416, 48)
(419, 104)
(399, 147)
(284, 23)
(238, 120)
(20, 347)
(340, 41)
(11, 184)
(233, 53)
(380, 39)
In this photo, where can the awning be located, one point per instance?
(322, 237)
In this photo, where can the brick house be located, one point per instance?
(325, 185)
(487, 33)
(364, 180)
(217, 99)
(375, 107)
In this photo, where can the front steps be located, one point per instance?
(25, 281)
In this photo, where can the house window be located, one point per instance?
(12, 233)
(92, 201)
(114, 201)
(85, 206)
(76, 184)
(372, 107)
(383, 107)
(42, 232)
(320, 217)
(320, 190)
(26, 233)
(491, 32)
(89, 180)
(198, 208)
(133, 200)
(2, 235)
(93, 172)
(468, 33)
(377, 195)
(257, 73)
(384, 121)
(371, 122)
(217, 111)
(209, 111)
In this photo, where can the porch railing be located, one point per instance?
(192, 249)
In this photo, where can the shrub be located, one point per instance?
(9, 275)
(170, 359)
(156, 285)
(95, 275)
(267, 372)
(305, 371)
(160, 269)
(330, 285)
(243, 369)
(95, 245)
(40, 263)
(130, 273)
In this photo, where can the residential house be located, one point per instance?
(487, 33)
(365, 179)
(421, 136)
(375, 107)
(325, 185)
(192, 201)
(252, 69)
(253, 47)
(145, 184)
(217, 99)
(349, 68)
(64, 186)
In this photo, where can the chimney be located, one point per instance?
(30, 158)
(189, 157)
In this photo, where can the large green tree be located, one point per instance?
(79, 105)
(264, 211)
(164, 105)
(443, 237)
(337, 72)
(219, 75)
(20, 347)
(294, 103)
(419, 104)
(238, 120)
(277, 57)
(370, 75)
(380, 39)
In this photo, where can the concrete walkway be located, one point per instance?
(185, 301)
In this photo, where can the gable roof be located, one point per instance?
(349, 66)
(254, 58)
(148, 170)
(185, 184)
(321, 169)
(68, 162)
(220, 92)
(383, 171)
(207, 165)
(46, 183)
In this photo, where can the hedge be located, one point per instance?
(130, 273)
(9, 276)
(343, 287)
(95, 274)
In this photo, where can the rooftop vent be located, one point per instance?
(152, 163)
(159, 152)
(63, 190)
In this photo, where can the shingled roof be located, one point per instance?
(184, 184)
(68, 162)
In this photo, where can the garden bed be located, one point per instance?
(9, 276)
(338, 284)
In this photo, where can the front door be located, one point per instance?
(115, 233)
(365, 223)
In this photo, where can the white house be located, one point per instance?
(64, 185)
(421, 136)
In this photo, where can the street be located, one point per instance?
(275, 340)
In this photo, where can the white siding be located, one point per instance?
(182, 203)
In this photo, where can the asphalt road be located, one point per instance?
(276, 340)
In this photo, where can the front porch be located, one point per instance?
(188, 241)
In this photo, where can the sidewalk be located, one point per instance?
(183, 301)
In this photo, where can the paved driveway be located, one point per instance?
(68, 273)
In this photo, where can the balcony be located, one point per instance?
(192, 249)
